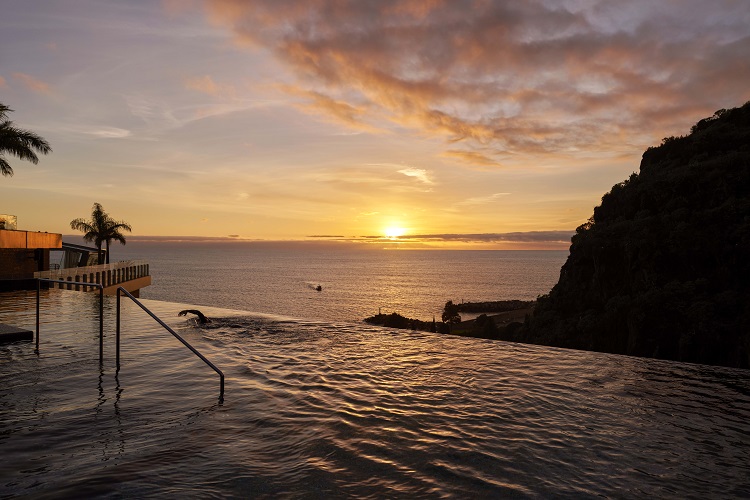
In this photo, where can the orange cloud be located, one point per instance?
(471, 157)
(203, 84)
(206, 85)
(338, 110)
(516, 77)
(32, 83)
(3, 84)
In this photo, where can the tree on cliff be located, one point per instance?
(101, 229)
(18, 142)
(661, 269)
(450, 313)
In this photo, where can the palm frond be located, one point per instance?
(22, 143)
(81, 225)
(5, 169)
(18, 142)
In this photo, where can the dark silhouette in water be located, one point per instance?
(202, 319)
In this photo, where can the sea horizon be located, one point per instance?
(530, 241)
(356, 281)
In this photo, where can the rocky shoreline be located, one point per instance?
(498, 320)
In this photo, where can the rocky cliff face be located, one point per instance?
(662, 268)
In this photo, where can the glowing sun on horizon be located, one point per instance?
(394, 232)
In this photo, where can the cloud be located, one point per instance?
(527, 237)
(471, 157)
(102, 132)
(204, 84)
(379, 178)
(418, 173)
(513, 77)
(32, 83)
(519, 237)
(339, 111)
(178, 239)
(110, 133)
(482, 200)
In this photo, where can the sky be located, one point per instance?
(441, 123)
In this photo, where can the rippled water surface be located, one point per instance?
(321, 409)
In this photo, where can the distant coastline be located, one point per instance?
(497, 320)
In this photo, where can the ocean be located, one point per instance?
(318, 404)
(356, 282)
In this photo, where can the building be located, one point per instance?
(22, 253)
(25, 256)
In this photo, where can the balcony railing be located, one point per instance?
(106, 275)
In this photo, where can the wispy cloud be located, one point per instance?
(384, 179)
(32, 83)
(204, 84)
(529, 237)
(110, 133)
(351, 115)
(482, 200)
(418, 173)
(520, 237)
(472, 158)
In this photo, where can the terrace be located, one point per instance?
(28, 255)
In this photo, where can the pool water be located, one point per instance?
(323, 409)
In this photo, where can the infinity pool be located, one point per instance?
(316, 409)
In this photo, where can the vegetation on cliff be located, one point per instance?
(662, 268)
(504, 322)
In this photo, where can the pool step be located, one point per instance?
(10, 333)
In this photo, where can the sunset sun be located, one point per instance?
(394, 232)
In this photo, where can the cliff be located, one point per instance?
(662, 268)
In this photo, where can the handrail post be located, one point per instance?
(38, 284)
(167, 328)
(117, 334)
(101, 323)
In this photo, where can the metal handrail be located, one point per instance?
(101, 309)
(166, 327)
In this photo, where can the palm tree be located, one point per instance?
(113, 233)
(18, 142)
(100, 229)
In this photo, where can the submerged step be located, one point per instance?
(10, 333)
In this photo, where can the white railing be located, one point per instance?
(106, 275)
